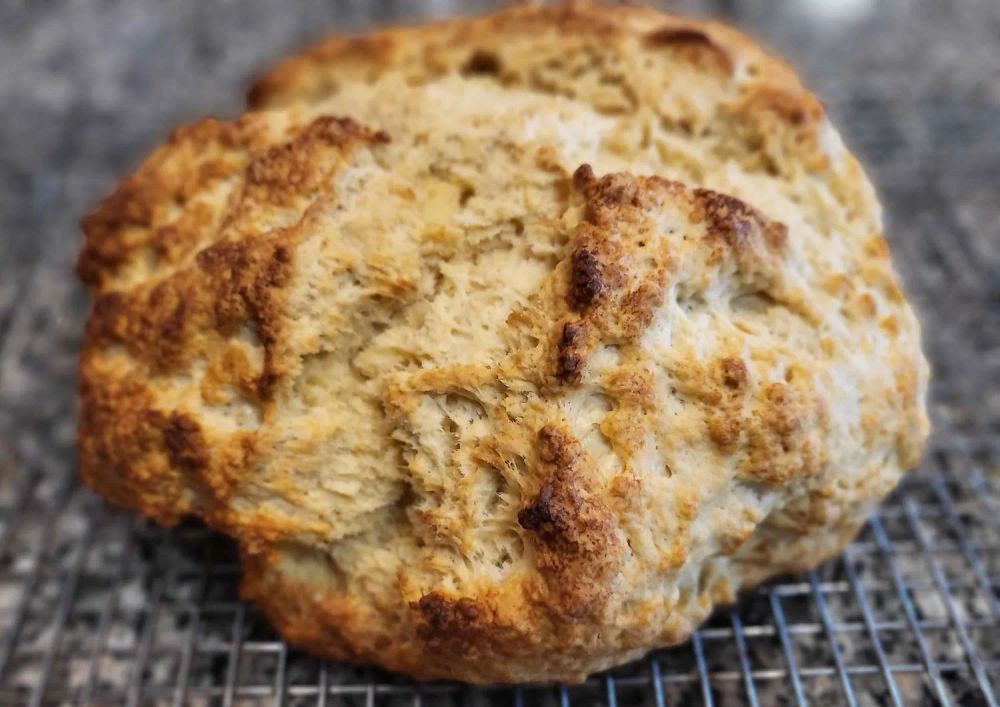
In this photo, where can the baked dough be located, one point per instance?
(505, 347)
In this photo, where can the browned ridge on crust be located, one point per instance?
(505, 347)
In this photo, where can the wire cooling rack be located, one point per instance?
(98, 607)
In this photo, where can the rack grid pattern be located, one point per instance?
(99, 607)
(113, 610)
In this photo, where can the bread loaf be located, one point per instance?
(506, 347)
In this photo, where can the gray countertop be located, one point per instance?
(98, 607)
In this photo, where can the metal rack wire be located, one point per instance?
(110, 610)
(98, 607)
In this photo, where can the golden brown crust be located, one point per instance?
(618, 274)
(121, 437)
(226, 273)
(478, 401)
(475, 45)
(576, 536)
(193, 157)
(696, 46)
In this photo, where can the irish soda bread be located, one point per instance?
(505, 347)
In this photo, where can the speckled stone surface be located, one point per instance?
(98, 607)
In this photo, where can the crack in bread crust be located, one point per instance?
(506, 347)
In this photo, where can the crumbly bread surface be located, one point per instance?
(505, 347)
